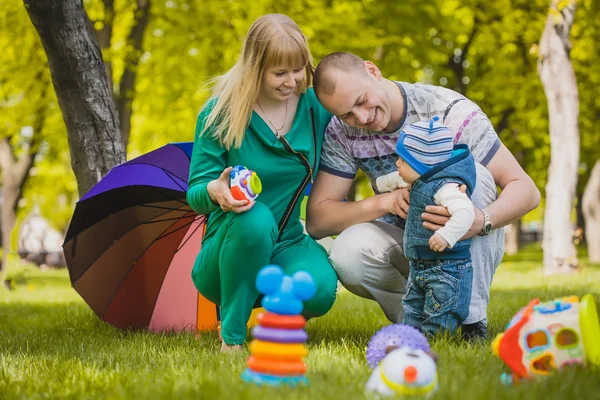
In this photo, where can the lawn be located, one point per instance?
(53, 346)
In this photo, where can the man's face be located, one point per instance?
(360, 99)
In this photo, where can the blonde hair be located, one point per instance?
(273, 40)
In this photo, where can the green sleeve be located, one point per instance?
(325, 117)
(322, 116)
(208, 161)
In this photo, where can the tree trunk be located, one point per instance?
(81, 86)
(513, 238)
(104, 36)
(579, 217)
(132, 59)
(9, 219)
(591, 212)
(558, 77)
(16, 171)
(14, 175)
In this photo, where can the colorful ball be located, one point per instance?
(394, 335)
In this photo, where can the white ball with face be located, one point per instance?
(409, 367)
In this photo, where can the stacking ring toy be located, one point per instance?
(279, 335)
(276, 367)
(271, 320)
(277, 350)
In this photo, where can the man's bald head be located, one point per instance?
(324, 79)
(356, 93)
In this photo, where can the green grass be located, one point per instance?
(53, 346)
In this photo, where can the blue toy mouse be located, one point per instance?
(284, 294)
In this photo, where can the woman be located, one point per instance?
(263, 116)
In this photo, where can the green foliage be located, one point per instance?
(26, 93)
(53, 346)
(485, 49)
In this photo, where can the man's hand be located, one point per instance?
(437, 243)
(397, 202)
(435, 217)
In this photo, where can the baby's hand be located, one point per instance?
(437, 243)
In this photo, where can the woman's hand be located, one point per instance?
(220, 193)
(435, 217)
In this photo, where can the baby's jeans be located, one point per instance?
(438, 294)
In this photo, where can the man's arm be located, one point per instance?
(519, 196)
(328, 214)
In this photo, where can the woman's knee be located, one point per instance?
(255, 225)
(206, 286)
(322, 301)
(326, 281)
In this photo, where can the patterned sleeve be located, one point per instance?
(336, 157)
(472, 127)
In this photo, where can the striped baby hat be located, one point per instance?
(423, 145)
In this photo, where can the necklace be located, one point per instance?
(271, 122)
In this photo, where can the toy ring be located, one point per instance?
(279, 335)
(271, 320)
(276, 367)
(277, 350)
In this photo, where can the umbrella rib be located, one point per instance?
(181, 227)
(192, 234)
(169, 197)
(161, 208)
(165, 220)
(171, 175)
(168, 173)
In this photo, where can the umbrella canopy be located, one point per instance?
(132, 242)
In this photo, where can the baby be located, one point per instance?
(441, 272)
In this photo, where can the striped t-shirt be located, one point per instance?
(347, 149)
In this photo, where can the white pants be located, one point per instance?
(369, 259)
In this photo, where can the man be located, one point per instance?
(370, 112)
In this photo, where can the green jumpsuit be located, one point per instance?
(236, 246)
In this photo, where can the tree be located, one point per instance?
(15, 171)
(586, 50)
(82, 88)
(560, 86)
(591, 211)
(124, 89)
(26, 103)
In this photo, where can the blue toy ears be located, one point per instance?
(270, 280)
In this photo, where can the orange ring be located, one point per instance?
(271, 320)
(276, 367)
(284, 351)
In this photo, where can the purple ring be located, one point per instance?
(279, 335)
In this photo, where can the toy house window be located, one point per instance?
(543, 365)
(566, 338)
(537, 340)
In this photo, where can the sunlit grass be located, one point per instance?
(53, 346)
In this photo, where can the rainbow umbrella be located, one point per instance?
(132, 242)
